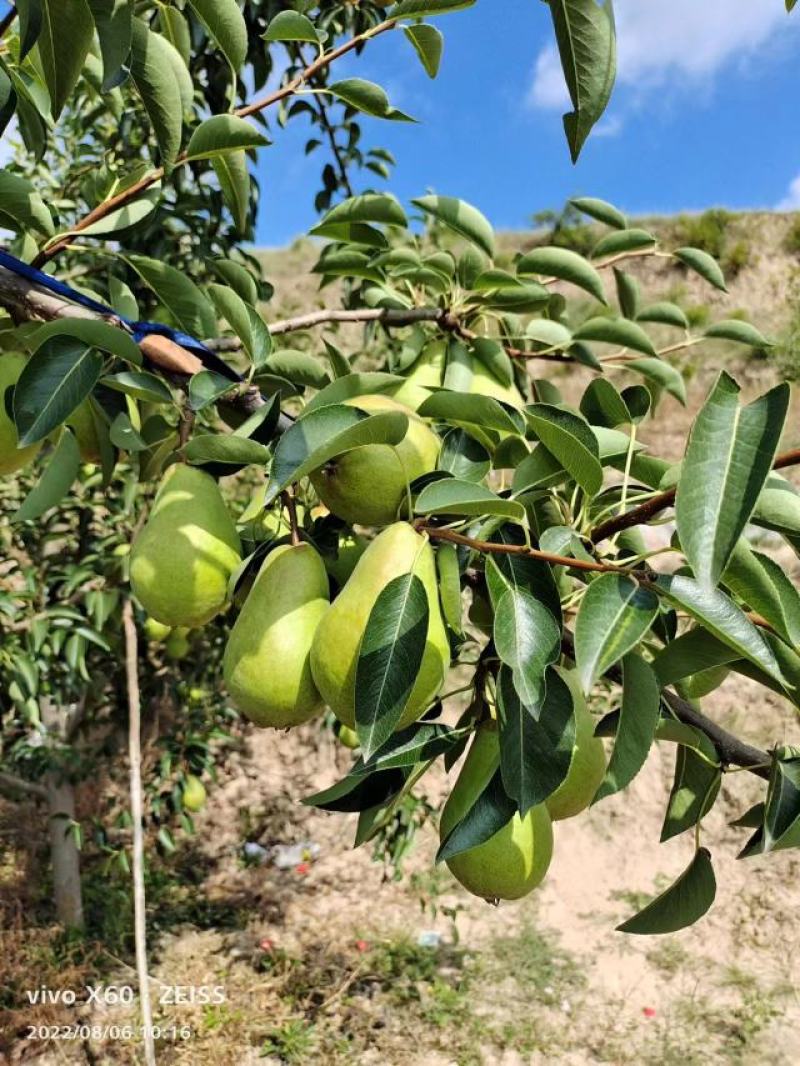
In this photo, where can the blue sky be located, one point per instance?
(705, 113)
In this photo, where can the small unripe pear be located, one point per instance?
(12, 457)
(588, 766)
(367, 485)
(176, 646)
(266, 664)
(194, 793)
(395, 551)
(514, 861)
(156, 631)
(183, 558)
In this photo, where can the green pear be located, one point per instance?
(177, 646)
(266, 663)
(12, 457)
(194, 793)
(486, 384)
(348, 737)
(184, 556)
(424, 375)
(512, 862)
(83, 425)
(367, 485)
(588, 766)
(334, 653)
(350, 549)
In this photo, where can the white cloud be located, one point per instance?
(681, 41)
(791, 202)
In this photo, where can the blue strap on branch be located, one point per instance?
(139, 330)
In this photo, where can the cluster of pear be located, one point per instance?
(292, 651)
(514, 861)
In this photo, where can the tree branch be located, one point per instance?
(127, 195)
(637, 515)
(137, 814)
(486, 547)
(10, 785)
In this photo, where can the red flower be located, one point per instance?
(649, 1012)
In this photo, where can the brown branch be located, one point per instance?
(127, 195)
(637, 515)
(10, 784)
(137, 814)
(486, 547)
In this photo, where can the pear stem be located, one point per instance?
(290, 504)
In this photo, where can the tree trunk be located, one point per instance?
(64, 854)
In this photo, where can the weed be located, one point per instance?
(669, 956)
(292, 1042)
(791, 241)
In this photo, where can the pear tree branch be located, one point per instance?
(297, 83)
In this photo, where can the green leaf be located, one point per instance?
(740, 332)
(460, 409)
(245, 322)
(619, 331)
(140, 385)
(615, 614)
(368, 97)
(353, 384)
(125, 217)
(461, 217)
(571, 441)
(324, 433)
(428, 43)
(368, 207)
(59, 474)
(123, 435)
(763, 585)
(566, 265)
(21, 208)
(463, 456)
(422, 8)
(622, 242)
(728, 459)
(301, 368)
(389, 659)
(528, 640)
(641, 703)
(665, 313)
(628, 294)
(534, 576)
(183, 299)
(536, 743)
(206, 387)
(548, 334)
(92, 332)
(291, 26)
(175, 29)
(602, 405)
(693, 652)
(716, 611)
(694, 790)
(703, 264)
(64, 42)
(588, 49)
(157, 84)
(489, 813)
(221, 134)
(600, 210)
(683, 903)
(225, 448)
(114, 22)
(225, 24)
(451, 496)
(30, 24)
(234, 181)
(55, 380)
(417, 743)
(782, 809)
(661, 374)
(358, 792)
